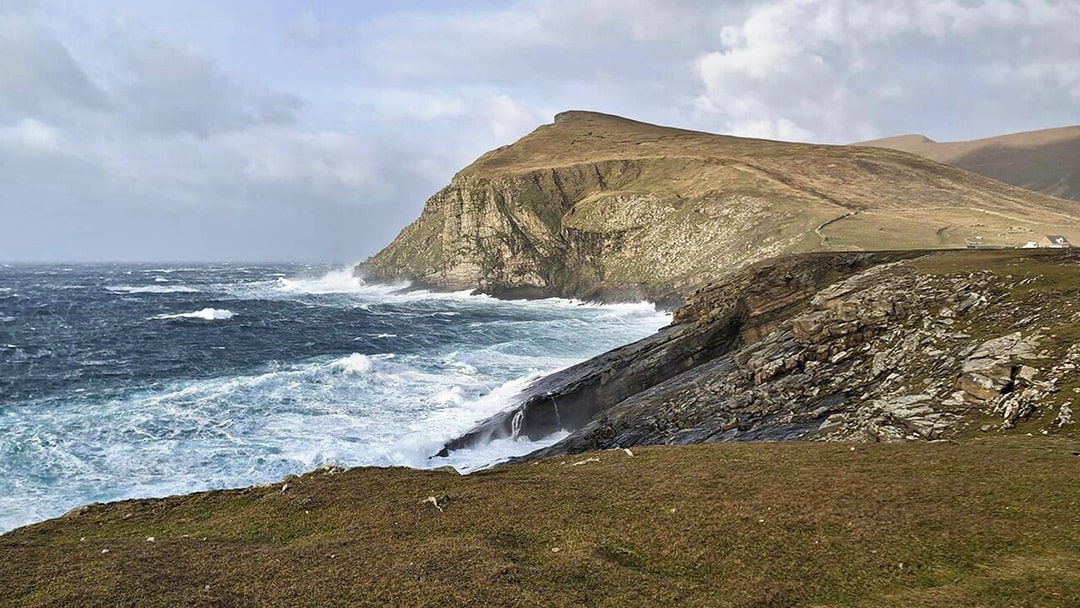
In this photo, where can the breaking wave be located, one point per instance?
(206, 314)
(321, 368)
(354, 364)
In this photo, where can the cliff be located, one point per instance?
(833, 346)
(598, 206)
(1045, 161)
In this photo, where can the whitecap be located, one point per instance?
(355, 363)
(128, 289)
(337, 281)
(206, 314)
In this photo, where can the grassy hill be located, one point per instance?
(600, 206)
(1046, 161)
(989, 522)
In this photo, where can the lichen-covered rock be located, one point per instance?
(1065, 416)
(996, 365)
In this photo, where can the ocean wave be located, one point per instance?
(355, 363)
(338, 281)
(301, 400)
(206, 314)
(128, 289)
(355, 292)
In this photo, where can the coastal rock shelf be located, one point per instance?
(836, 346)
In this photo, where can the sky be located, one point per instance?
(268, 130)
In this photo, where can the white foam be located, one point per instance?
(287, 417)
(353, 291)
(336, 281)
(127, 289)
(206, 314)
(355, 363)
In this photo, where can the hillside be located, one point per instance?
(1046, 161)
(601, 206)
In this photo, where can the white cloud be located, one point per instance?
(773, 78)
(324, 162)
(809, 69)
(30, 136)
(396, 103)
(308, 113)
(509, 118)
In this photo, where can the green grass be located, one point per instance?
(989, 522)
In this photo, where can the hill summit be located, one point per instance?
(599, 206)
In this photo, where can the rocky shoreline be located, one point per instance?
(834, 346)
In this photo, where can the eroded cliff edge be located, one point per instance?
(834, 346)
(600, 207)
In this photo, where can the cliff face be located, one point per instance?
(601, 207)
(837, 346)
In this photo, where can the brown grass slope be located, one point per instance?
(1046, 161)
(595, 205)
(990, 522)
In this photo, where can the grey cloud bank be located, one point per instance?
(269, 131)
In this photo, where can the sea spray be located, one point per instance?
(115, 385)
(516, 422)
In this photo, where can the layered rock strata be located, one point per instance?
(864, 347)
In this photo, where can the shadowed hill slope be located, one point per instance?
(604, 207)
(1046, 161)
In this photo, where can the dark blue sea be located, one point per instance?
(122, 381)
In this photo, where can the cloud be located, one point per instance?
(38, 74)
(509, 118)
(267, 130)
(30, 137)
(403, 104)
(325, 163)
(807, 69)
(175, 89)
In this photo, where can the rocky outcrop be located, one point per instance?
(600, 207)
(996, 367)
(854, 347)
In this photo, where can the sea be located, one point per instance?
(126, 381)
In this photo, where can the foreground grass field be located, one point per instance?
(986, 522)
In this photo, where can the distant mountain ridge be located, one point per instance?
(599, 206)
(1045, 161)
